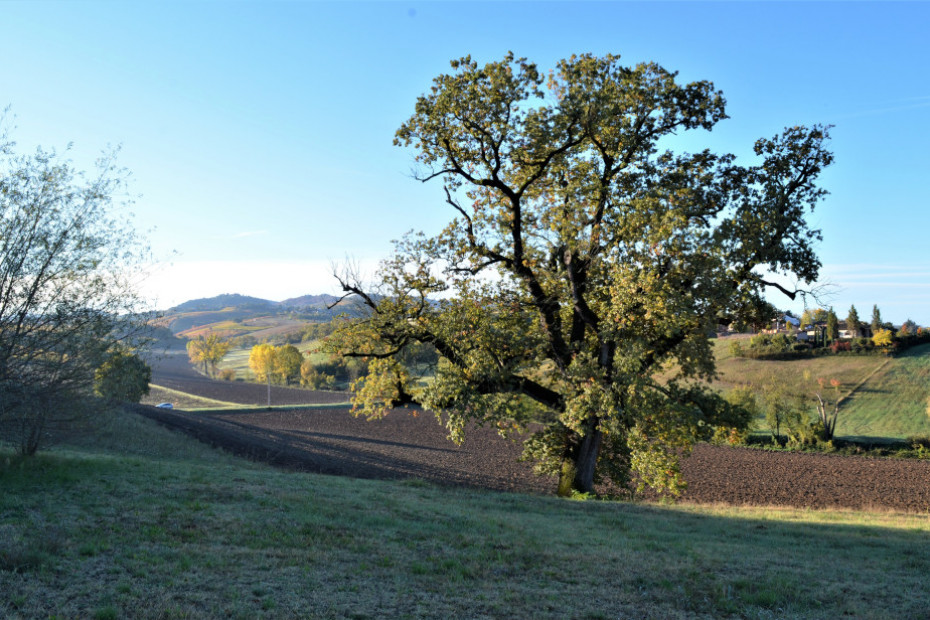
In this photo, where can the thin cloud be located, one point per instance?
(248, 233)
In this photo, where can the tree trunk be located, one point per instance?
(586, 460)
(579, 465)
(269, 391)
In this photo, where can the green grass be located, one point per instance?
(893, 402)
(145, 523)
(884, 397)
(183, 400)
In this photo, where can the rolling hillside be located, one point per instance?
(884, 397)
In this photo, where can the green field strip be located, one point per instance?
(207, 401)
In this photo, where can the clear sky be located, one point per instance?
(259, 134)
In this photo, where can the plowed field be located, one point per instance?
(402, 445)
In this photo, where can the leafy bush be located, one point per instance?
(861, 345)
(228, 374)
(123, 376)
(840, 346)
(882, 338)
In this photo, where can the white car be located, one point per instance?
(165, 406)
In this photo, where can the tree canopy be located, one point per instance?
(207, 350)
(123, 376)
(585, 264)
(852, 322)
(68, 264)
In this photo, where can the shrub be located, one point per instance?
(840, 346)
(228, 374)
(861, 345)
(882, 338)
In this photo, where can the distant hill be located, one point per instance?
(238, 308)
(229, 300)
(310, 301)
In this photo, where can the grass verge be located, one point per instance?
(146, 523)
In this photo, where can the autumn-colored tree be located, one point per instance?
(287, 362)
(582, 262)
(262, 363)
(882, 338)
(207, 350)
(852, 322)
(908, 328)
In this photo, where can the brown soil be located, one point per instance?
(403, 445)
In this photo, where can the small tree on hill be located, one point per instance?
(207, 350)
(262, 363)
(908, 328)
(852, 322)
(123, 376)
(833, 326)
(807, 319)
(287, 362)
(876, 320)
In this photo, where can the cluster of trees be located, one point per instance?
(273, 364)
(68, 307)
(582, 262)
(207, 351)
(860, 337)
(285, 365)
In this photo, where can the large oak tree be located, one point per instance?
(586, 264)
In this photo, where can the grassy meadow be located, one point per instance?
(883, 397)
(141, 522)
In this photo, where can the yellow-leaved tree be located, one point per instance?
(262, 362)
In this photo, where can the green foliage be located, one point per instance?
(908, 328)
(833, 326)
(287, 361)
(861, 345)
(123, 376)
(876, 320)
(770, 346)
(69, 261)
(852, 322)
(611, 262)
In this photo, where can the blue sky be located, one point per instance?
(259, 134)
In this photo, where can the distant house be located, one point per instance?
(784, 322)
(865, 330)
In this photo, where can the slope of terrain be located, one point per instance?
(144, 523)
(883, 397)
